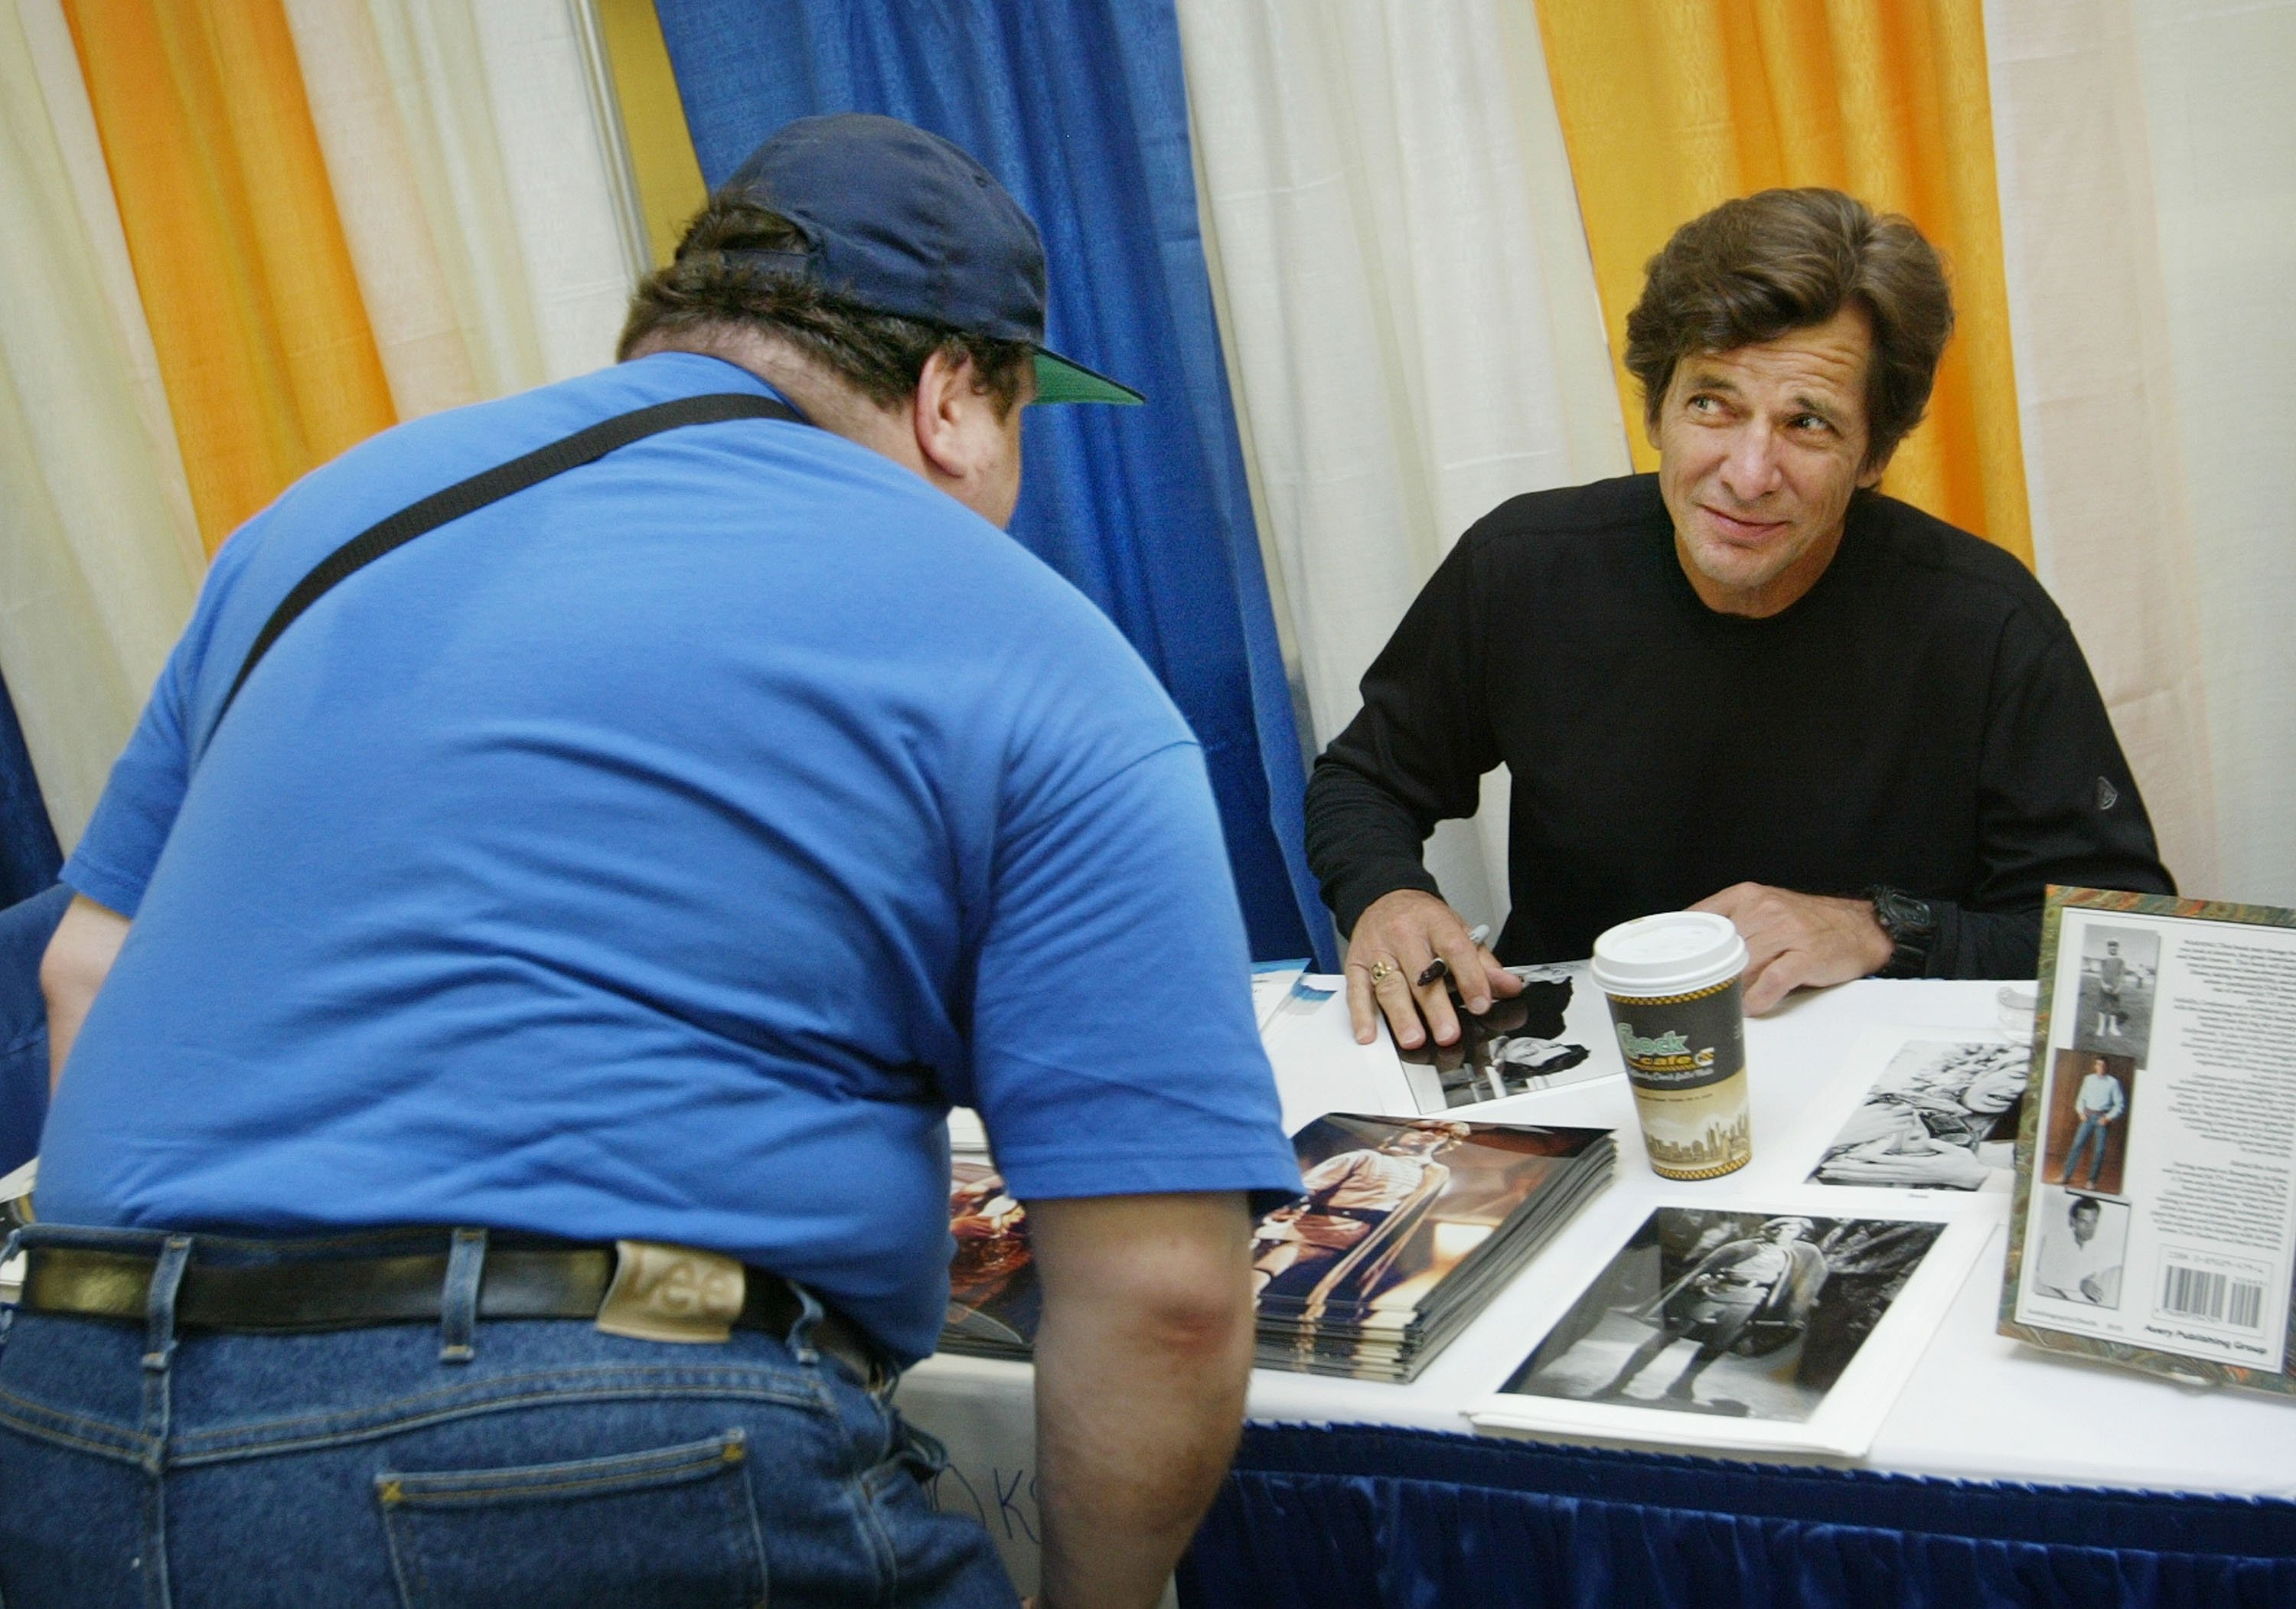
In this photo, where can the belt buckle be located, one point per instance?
(666, 1292)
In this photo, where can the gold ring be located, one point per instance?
(1382, 971)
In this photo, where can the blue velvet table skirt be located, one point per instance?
(1314, 1518)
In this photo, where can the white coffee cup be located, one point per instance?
(1672, 981)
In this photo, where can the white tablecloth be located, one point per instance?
(1979, 1405)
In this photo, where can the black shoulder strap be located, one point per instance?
(467, 496)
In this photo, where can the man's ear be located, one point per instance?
(1871, 475)
(944, 413)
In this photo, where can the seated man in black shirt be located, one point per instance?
(1748, 683)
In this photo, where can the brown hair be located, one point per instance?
(1785, 259)
(713, 283)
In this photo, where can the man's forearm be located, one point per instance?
(78, 960)
(1141, 1361)
(1984, 944)
(1362, 841)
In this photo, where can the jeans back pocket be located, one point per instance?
(673, 1526)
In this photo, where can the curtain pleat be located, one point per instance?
(2221, 137)
(662, 149)
(425, 350)
(2113, 533)
(1408, 311)
(1669, 107)
(248, 285)
(101, 556)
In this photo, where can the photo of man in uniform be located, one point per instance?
(1760, 1314)
(1757, 1291)
(2114, 1012)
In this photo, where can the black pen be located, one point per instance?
(1441, 968)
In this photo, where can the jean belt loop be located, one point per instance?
(160, 1302)
(458, 1303)
(800, 1333)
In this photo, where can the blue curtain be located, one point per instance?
(29, 857)
(1078, 107)
(1365, 1518)
(25, 929)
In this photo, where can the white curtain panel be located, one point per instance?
(2220, 110)
(2096, 392)
(371, 167)
(503, 138)
(2147, 164)
(1409, 309)
(100, 559)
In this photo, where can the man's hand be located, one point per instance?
(1799, 940)
(1396, 937)
(1142, 1361)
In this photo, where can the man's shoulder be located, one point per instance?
(1953, 565)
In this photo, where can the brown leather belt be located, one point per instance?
(336, 1293)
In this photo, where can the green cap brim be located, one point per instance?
(1058, 379)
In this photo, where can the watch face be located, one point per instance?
(1901, 916)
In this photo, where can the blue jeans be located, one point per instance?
(2090, 1128)
(558, 1465)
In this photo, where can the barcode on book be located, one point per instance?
(2218, 1298)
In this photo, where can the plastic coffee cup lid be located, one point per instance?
(1672, 953)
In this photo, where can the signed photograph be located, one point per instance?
(1557, 1031)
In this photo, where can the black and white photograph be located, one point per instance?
(2085, 1125)
(1739, 1315)
(1943, 1115)
(2119, 968)
(2083, 1242)
(1533, 1041)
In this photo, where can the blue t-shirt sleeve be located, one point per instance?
(1115, 1048)
(112, 864)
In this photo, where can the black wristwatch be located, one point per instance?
(1911, 927)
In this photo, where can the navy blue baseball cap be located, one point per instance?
(899, 220)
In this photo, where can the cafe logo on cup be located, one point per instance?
(1667, 1053)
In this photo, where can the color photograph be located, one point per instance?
(2085, 1125)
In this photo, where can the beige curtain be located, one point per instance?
(2215, 77)
(1409, 310)
(99, 554)
(371, 165)
(2148, 201)
(479, 175)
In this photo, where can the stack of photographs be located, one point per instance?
(1406, 1230)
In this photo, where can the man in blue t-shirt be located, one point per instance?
(536, 977)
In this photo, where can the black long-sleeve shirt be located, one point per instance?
(1922, 717)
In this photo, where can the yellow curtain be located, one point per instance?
(1671, 106)
(263, 343)
(653, 122)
